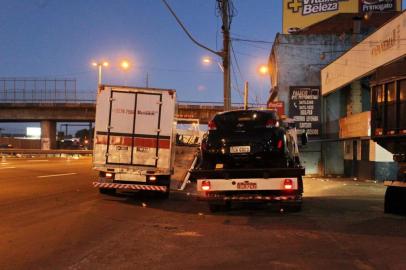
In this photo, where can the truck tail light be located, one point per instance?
(109, 175)
(206, 185)
(212, 125)
(288, 184)
(272, 123)
(151, 178)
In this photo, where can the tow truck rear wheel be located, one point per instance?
(216, 207)
(292, 207)
(107, 191)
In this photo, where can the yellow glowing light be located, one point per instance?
(125, 64)
(94, 64)
(105, 64)
(206, 60)
(263, 69)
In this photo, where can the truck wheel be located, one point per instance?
(213, 207)
(395, 202)
(163, 195)
(296, 207)
(108, 191)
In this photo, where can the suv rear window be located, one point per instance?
(244, 120)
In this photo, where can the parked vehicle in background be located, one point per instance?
(6, 146)
(388, 129)
(188, 132)
(134, 135)
(250, 156)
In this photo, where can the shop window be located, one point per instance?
(402, 106)
(347, 146)
(365, 150)
(379, 109)
(391, 108)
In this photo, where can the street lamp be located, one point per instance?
(263, 69)
(208, 60)
(125, 65)
(99, 65)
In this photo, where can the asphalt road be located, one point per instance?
(54, 221)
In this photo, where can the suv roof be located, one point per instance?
(244, 119)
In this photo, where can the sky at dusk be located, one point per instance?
(60, 39)
(55, 38)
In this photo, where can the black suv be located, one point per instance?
(244, 139)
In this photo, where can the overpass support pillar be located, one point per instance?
(48, 135)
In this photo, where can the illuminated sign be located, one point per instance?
(278, 106)
(33, 132)
(304, 108)
(298, 14)
(377, 5)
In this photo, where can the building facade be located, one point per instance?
(296, 61)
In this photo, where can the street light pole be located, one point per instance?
(99, 77)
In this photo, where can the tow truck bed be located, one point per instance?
(223, 186)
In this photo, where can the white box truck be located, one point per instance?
(134, 139)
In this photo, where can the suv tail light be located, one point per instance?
(212, 125)
(206, 185)
(280, 144)
(272, 123)
(288, 184)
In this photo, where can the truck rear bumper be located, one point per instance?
(252, 198)
(130, 186)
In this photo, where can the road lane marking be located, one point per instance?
(55, 175)
(38, 160)
(2, 168)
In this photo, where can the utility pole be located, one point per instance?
(246, 96)
(224, 8)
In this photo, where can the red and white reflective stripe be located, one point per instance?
(129, 186)
(253, 197)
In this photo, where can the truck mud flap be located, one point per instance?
(130, 186)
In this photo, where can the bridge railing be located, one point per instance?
(34, 90)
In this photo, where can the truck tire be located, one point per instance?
(395, 202)
(107, 191)
(214, 207)
(292, 207)
(163, 195)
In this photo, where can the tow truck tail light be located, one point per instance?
(212, 125)
(288, 184)
(206, 185)
(109, 175)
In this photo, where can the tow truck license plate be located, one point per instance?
(240, 149)
(246, 185)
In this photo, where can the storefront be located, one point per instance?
(375, 68)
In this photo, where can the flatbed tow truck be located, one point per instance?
(221, 187)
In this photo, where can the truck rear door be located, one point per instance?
(133, 136)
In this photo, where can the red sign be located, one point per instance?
(278, 106)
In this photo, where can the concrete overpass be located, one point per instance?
(48, 114)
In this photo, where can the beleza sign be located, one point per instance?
(318, 6)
